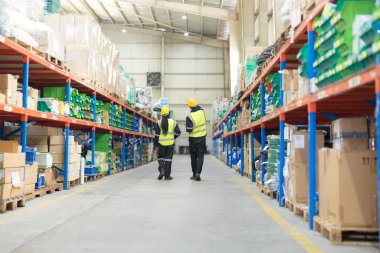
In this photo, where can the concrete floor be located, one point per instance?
(134, 212)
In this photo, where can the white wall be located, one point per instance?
(191, 70)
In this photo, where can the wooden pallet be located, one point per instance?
(346, 236)
(266, 191)
(11, 204)
(57, 62)
(43, 191)
(28, 47)
(74, 183)
(299, 209)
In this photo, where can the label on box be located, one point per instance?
(299, 141)
(16, 182)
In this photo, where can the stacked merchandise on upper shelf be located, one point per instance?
(271, 175)
(52, 6)
(341, 47)
(272, 92)
(256, 105)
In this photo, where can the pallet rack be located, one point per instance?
(357, 95)
(36, 72)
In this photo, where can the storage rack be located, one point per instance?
(36, 72)
(356, 95)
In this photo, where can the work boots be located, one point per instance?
(197, 177)
(161, 169)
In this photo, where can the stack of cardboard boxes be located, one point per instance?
(296, 169)
(57, 150)
(347, 176)
(295, 87)
(243, 119)
(10, 95)
(12, 170)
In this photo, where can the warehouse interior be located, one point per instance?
(270, 107)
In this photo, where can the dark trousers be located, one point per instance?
(164, 157)
(197, 152)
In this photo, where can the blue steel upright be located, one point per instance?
(226, 140)
(133, 152)
(25, 81)
(93, 131)
(66, 158)
(110, 158)
(141, 150)
(377, 84)
(236, 148)
(252, 137)
(231, 151)
(262, 89)
(123, 152)
(242, 154)
(312, 109)
(281, 180)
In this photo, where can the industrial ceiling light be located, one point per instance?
(186, 34)
(124, 30)
(184, 17)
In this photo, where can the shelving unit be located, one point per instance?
(356, 95)
(36, 72)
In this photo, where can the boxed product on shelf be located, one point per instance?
(347, 187)
(11, 175)
(299, 146)
(35, 131)
(44, 160)
(10, 146)
(350, 133)
(31, 172)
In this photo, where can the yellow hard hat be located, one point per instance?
(192, 102)
(165, 111)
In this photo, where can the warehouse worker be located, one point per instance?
(166, 132)
(196, 127)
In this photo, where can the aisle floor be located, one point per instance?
(134, 212)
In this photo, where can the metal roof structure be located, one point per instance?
(200, 21)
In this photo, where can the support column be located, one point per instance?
(312, 109)
(123, 153)
(226, 140)
(25, 81)
(377, 86)
(127, 154)
(236, 147)
(262, 155)
(281, 185)
(281, 180)
(133, 152)
(141, 150)
(252, 136)
(231, 151)
(242, 154)
(162, 66)
(109, 160)
(24, 132)
(66, 157)
(93, 139)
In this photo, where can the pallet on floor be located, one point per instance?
(264, 190)
(299, 209)
(28, 47)
(11, 204)
(355, 236)
(43, 191)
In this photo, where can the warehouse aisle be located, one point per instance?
(133, 212)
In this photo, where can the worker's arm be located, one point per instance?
(177, 131)
(189, 125)
(157, 133)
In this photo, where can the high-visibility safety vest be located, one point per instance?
(168, 139)
(199, 124)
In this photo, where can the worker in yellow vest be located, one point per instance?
(196, 127)
(166, 132)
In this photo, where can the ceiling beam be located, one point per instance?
(106, 11)
(122, 12)
(170, 20)
(206, 11)
(154, 18)
(190, 38)
(73, 6)
(137, 15)
(90, 10)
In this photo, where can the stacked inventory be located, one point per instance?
(272, 92)
(52, 6)
(12, 164)
(256, 106)
(219, 109)
(57, 150)
(129, 121)
(295, 86)
(115, 113)
(340, 49)
(103, 143)
(81, 106)
(347, 176)
(271, 175)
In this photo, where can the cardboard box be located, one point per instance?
(45, 160)
(298, 186)
(12, 160)
(347, 184)
(36, 131)
(42, 148)
(37, 140)
(8, 191)
(350, 127)
(60, 158)
(60, 149)
(6, 174)
(31, 172)
(351, 144)
(60, 140)
(49, 177)
(78, 149)
(2, 99)
(8, 82)
(10, 147)
(29, 188)
(300, 146)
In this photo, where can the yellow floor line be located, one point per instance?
(298, 236)
(30, 210)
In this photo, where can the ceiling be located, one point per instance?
(204, 19)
